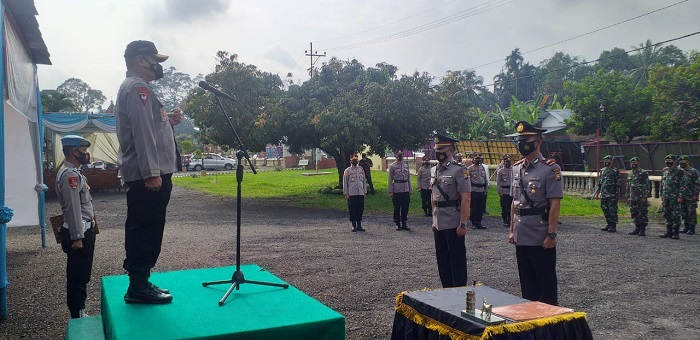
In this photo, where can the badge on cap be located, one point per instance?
(144, 93)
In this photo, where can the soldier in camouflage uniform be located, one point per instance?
(670, 199)
(638, 190)
(609, 184)
(690, 186)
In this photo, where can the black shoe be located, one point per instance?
(162, 290)
(146, 295)
(606, 228)
(642, 233)
(361, 229)
(354, 230)
(634, 232)
(398, 228)
(691, 231)
(612, 229)
(404, 226)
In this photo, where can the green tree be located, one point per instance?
(651, 55)
(626, 108)
(676, 95)
(258, 95)
(518, 79)
(560, 68)
(616, 59)
(85, 98)
(54, 101)
(172, 91)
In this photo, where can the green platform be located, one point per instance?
(253, 312)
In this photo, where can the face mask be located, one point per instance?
(478, 161)
(526, 148)
(426, 163)
(399, 157)
(635, 165)
(82, 158)
(607, 163)
(441, 156)
(669, 164)
(684, 165)
(157, 70)
(353, 162)
(507, 165)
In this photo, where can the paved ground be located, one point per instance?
(631, 287)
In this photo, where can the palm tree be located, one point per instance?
(54, 101)
(648, 56)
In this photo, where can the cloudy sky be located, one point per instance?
(86, 39)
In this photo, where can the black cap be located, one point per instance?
(144, 47)
(524, 128)
(441, 140)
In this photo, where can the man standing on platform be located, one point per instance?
(479, 188)
(537, 191)
(424, 186)
(367, 165)
(400, 190)
(451, 201)
(671, 178)
(609, 184)
(148, 160)
(690, 187)
(355, 189)
(504, 179)
(77, 233)
(638, 190)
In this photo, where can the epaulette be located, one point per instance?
(550, 161)
(519, 162)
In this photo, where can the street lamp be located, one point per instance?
(601, 108)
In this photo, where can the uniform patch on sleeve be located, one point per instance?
(557, 174)
(465, 172)
(144, 92)
(73, 182)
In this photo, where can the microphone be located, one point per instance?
(203, 84)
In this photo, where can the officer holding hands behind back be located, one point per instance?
(537, 191)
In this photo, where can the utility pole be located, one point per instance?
(311, 53)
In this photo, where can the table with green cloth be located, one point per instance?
(436, 315)
(253, 312)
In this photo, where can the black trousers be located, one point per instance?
(451, 254)
(356, 206)
(538, 273)
(401, 201)
(78, 269)
(506, 203)
(370, 186)
(145, 222)
(478, 207)
(425, 199)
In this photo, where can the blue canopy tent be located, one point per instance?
(20, 126)
(100, 129)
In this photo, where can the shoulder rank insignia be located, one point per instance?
(519, 162)
(465, 172)
(144, 92)
(73, 182)
(557, 174)
(550, 161)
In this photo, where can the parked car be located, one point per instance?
(211, 162)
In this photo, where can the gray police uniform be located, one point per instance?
(480, 184)
(504, 179)
(400, 186)
(355, 187)
(448, 182)
(76, 204)
(533, 185)
(424, 175)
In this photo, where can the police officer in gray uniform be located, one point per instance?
(537, 191)
(77, 235)
(148, 160)
(400, 190)
(355, 189)
(480, 186)
(504, 179)
(424, 175)
(451, 204)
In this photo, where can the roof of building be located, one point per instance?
(23, 13)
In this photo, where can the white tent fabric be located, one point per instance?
(104, 147)
(99, 129)
(20, 170)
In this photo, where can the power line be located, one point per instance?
(311, 53)
(599, 59)
(585, 34)
(470, 12)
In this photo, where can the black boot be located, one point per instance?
(606, 228)
(635, 231)
(404, 226)
(685, 229)
(398, 225)
(675, 232)
(613, 228)
(669, 232)
(359, 226)
(425, 213)
(354, 226)
(642, 230)
(691, 230)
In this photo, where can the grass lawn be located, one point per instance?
(302, 191)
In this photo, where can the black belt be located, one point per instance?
(452, 203)
(479, 185)
(400, 181)
(529, 212)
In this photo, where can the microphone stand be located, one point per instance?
(237, 279)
